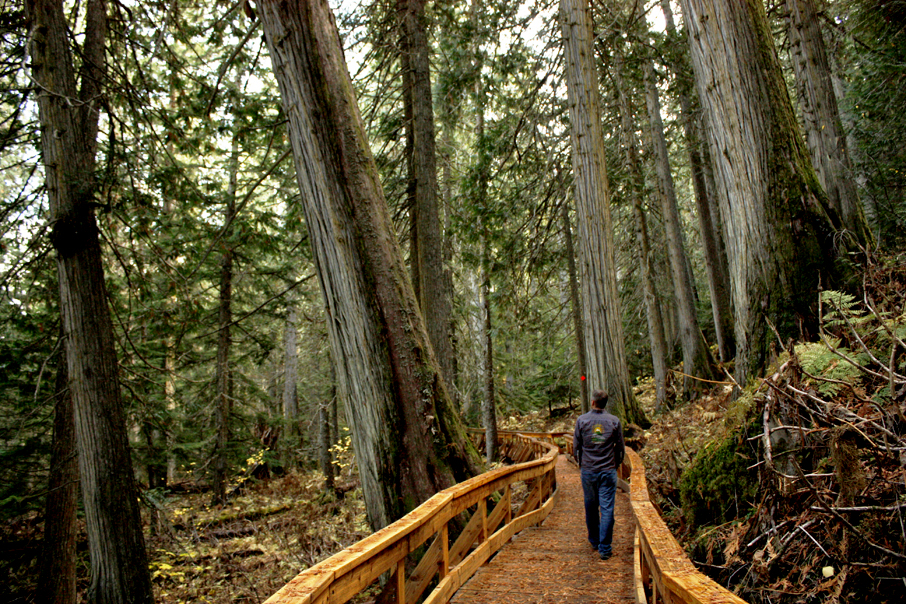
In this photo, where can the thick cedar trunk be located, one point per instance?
(823, 127)
(433, 294)
(652, 305)
(779, 228)
(119, 563)
(708, 219)
(696, 360)
(575, 308)
(57, 579)
(605, 351)
(408, 439)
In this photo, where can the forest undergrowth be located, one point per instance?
(795, 491)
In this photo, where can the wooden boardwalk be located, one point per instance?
(554, 563)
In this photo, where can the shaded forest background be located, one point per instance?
(193, 170)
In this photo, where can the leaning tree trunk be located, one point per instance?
(696, 360)
(69, 125)
(433, 294)
(408, 438)
(779, 227)
(653, 316)
(57, 578)
(605, 352)
(708, 220)
(823, 127)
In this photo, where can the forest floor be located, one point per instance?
(823, 524)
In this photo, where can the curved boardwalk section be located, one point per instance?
(554, 562)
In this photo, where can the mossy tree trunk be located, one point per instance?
(409, 440)
(779, 228)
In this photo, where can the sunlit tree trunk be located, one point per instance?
(779, 228)
(409, 440)
(605, 349)
(57, 578)
(290, 389)
(696, 360)
(823, 127)
(69, 126)
(657, 341)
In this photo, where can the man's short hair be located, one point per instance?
(599, 399)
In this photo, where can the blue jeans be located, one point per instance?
(600, 492)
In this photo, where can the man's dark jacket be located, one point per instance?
(598, 441)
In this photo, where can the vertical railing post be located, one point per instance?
(401, 581)
(445, 551)
(508, 499)
(483, 510)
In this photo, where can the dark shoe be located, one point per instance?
(606, 556)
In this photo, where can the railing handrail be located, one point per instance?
(343, 575)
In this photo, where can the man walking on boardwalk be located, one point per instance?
(598, 447)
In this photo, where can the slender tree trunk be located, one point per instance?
(575, 308)
(656, 337)
(708, 219)
(69, 125)
(324, 455)
(606, 355)
(290, 390)
(823, 128)
(779, 227)
(433, 294)
(489, 403)
(696, 360)
(223, 402)
(57, 579)
(409, 440)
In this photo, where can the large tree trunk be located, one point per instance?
(779, 228)
(408, 438)
(606, 355)
(433, 295)
(823, 127)
(696, 360)
(69, 123)
(575, 308)
(708, 219)
(653, 316)
(291, 428)
(57, 579)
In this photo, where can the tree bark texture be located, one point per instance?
(713, 249)
(69, 125)
(605, 350)
(489, 401)
(657, 340)
(696, 360)
(575, 303)
(57, 579)
(778, 227)
(408, 439)
(824, 133)
(433, 295)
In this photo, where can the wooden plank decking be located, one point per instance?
(554, 563)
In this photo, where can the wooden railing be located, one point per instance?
(392, 549)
